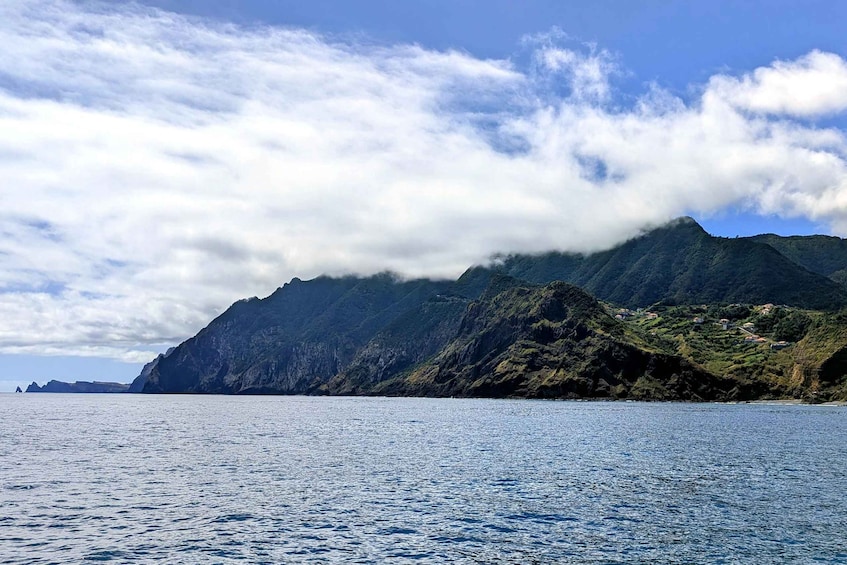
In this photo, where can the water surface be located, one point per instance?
(210, 479)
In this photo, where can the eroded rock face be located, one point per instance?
(408, 341)
(139, 381)
(291, 342)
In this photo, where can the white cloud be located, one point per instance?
(812, 85)
(588, 76)
(157, 168)
(585, 72)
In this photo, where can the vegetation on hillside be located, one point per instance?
(682, 264)
(822, 254)
(554, 341)
(778, 351)
(720, 319)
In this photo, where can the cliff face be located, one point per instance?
(517, 340)
(408, 341)
(291, 342)
(141, 380)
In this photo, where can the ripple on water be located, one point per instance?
(355, 480)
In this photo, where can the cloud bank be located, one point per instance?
(156, 168)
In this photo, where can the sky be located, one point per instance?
(160, 160)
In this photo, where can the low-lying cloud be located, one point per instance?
(155, 167)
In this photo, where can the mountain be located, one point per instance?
(526, 327)
(554, 341)
(410, 339)
(680, 264)
(516, 340)
(79, 386)
(290, 342)
(822, 254)
(138, 383)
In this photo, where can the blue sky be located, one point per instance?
(676, 44)
(164, 159)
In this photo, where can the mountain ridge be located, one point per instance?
(552, 341)
(680, 263)
(822, 254)
(260, 346)
(385, 335)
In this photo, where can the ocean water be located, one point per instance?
(209, 479)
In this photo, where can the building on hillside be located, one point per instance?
(754, 339)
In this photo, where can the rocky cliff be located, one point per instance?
(291, 342)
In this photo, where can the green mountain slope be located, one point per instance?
(779, 352)
(822, 254)
(554, 341)
(682, 264)
(515, 329)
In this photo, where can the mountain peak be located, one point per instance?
(684, 222)
(681, 263)
(680, 226)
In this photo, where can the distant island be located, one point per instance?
(79, 386)
(674, 314)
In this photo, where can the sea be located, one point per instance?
(220, 479)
